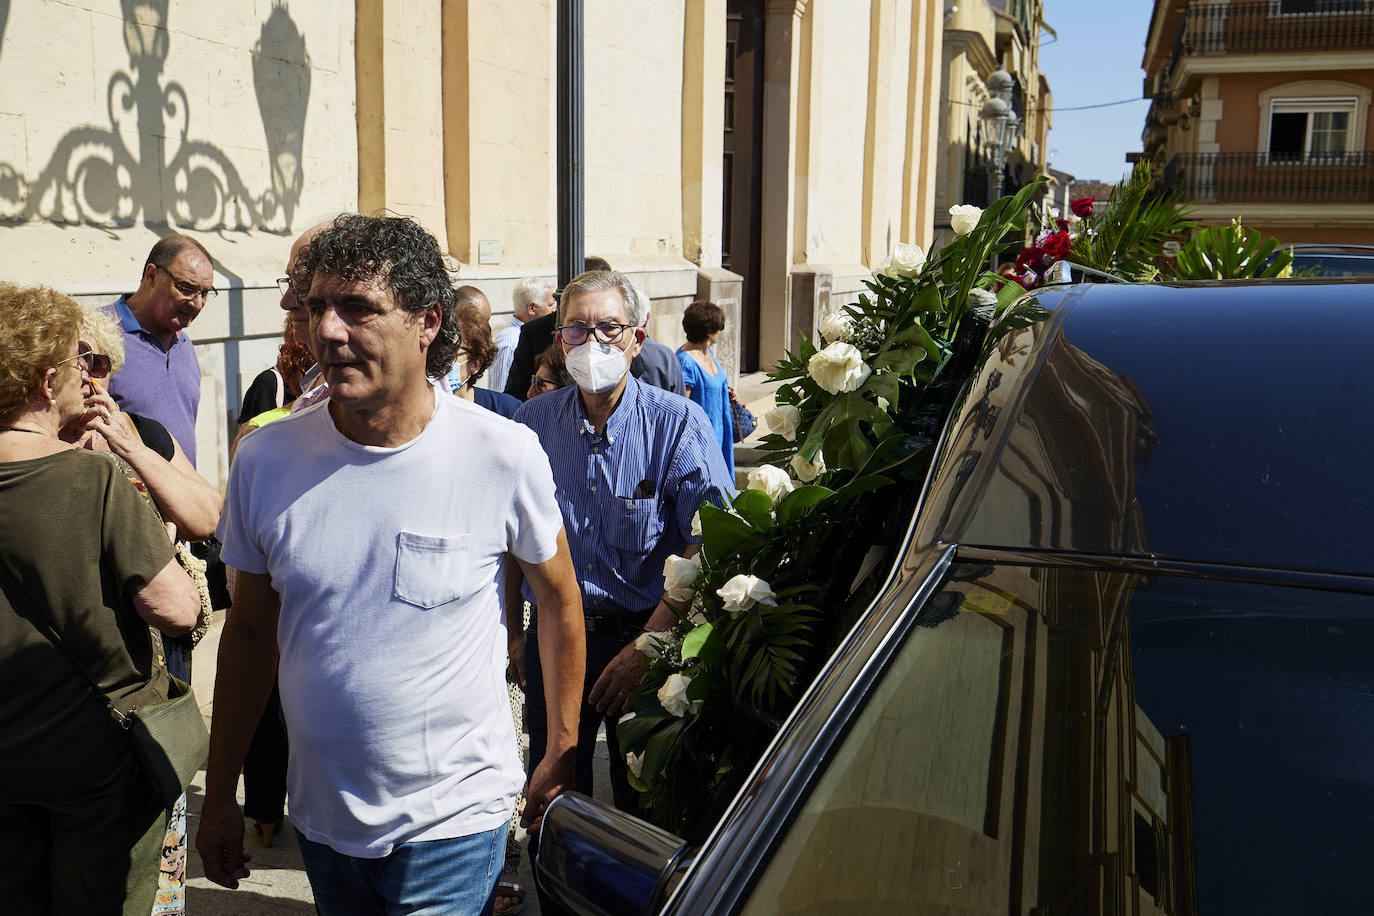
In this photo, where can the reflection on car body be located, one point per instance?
(1121, 663)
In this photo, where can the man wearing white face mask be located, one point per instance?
(631, 464)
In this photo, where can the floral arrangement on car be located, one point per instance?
(1123, 239)
(780, 574)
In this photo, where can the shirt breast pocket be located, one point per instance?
(634, 525)
(431, 571)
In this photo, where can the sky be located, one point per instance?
(1095, 59)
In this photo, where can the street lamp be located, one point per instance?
(1000, 127)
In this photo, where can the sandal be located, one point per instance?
(513, 893)
(265, 831)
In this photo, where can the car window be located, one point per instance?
(1331, 265)
(1071, 741)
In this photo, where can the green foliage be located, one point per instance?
(744, 664)
(1232, 253)
(1127, 238)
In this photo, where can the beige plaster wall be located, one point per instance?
(839, 91)
(233, 119)
(634, 127)
(506, 173)
(233, 122)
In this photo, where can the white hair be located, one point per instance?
(530, 289)
(645, 305)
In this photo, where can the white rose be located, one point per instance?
(673, 696)
(839, 367)
(807, 471)
(744, 591)
(696, 524)
(905, 261)
(963, 218)
(771, 480)
(783, 420)
(680, 575)
(648, 644)
(837, 325)
(636, 763)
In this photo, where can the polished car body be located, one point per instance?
(1122, 663)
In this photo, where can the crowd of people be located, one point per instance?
(419, 513)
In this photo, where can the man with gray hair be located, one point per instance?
(631, 463)
(533, 298)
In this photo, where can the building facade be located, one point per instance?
(981, 37)
(762, 153)
(1260, 109)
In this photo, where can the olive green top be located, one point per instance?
(77, 541)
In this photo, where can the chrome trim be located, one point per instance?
(589, 853)
(1229, 572)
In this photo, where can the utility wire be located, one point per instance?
(1072, 108)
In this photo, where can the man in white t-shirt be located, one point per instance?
(371, 533)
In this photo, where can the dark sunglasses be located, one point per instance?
(97, 365)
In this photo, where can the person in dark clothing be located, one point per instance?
(655, 365)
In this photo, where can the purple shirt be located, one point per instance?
(157, 383)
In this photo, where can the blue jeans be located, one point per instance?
(426, 878)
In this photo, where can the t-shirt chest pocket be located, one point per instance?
(431, 571)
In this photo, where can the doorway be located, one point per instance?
(742, 207)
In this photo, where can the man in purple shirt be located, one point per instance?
(161, 375)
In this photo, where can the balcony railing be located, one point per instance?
(1233, 178)
(1254, 26)
(1275, 25)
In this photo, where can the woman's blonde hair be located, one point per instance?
(104, 335)
(38, 326)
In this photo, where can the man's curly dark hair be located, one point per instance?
(398, 252)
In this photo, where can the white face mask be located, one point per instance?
(597, 367)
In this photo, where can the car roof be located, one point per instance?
(1217, 422)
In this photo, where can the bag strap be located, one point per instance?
(45, 627)
(281, 386)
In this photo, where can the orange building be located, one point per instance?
(1260, 109)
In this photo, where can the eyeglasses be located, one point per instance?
(97, 365)
(284, 284)
(190, 290)
(575, 335)
(543, 385)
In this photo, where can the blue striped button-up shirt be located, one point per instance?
(629, 492)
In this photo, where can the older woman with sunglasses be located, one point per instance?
(185, 499)
(85, 568)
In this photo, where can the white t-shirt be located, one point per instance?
(389, 566)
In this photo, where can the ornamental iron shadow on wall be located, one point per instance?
(94, 178)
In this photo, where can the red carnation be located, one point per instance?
(1057, 245)
(1033, 258)
(1062, 223)
(1082, 207)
